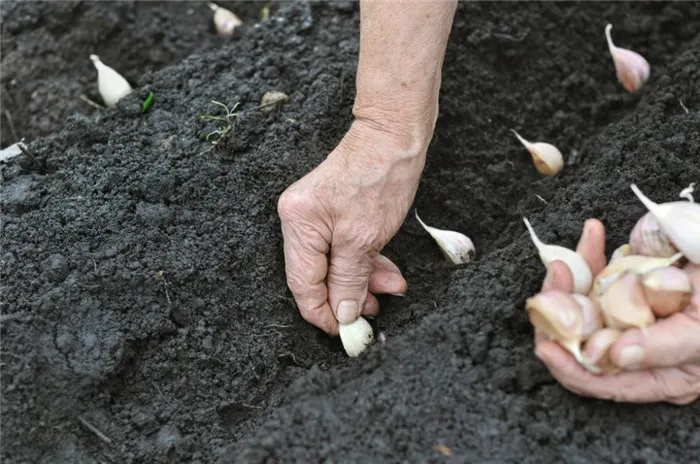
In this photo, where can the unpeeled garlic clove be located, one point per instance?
(583, 277)
(624, 304)
(457, 248)
(680, 221)
(635, 264)
(596, 350)
(547, 158)
(648, 239)
(667, 289)
(592, 316)
(356, 336)
(225, 21)
(621, 252)
(632, 69)
(558, 315)
(110, 83)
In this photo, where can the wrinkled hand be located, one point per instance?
(664, 366)
(337, 219)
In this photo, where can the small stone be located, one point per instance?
(56, 267)
(272, 100)
(168, 437)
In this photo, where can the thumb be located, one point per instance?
(348, 280)
(671, 342)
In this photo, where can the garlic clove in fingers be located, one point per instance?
(624, 304)
(110, 83)
(581, 271)
(596, 350)
(680, 221)
(632, 69)
(558, 315)
(621, 252)
(225, 21)
(547, 158)
(457, 248)
(667, 289)
(592, 316)
(356, 336)
(647, 239)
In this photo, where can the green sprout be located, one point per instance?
(223, 130)
(147, 102)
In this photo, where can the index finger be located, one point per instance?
(592, 245)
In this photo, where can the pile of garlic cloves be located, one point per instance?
(650, 278)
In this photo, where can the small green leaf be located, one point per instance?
(147, 102)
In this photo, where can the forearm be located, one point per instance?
(402, 48)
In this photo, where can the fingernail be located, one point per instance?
(347, 311)
(398, 294)
(631, 356)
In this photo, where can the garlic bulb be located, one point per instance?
(624, 304)
(547, 158)
(457, 248)
(667, 289)
(224, 20)
(596, 350)
(592, 316)
(356, 336)
(647, 239)
(680, 221)
(559, 317)
(631, 68)
(621, 252)
(110, 83)
(583, 277)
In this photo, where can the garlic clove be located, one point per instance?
(110, 83)
(457, 248)
(225, 21)
(356, 336)
(621, 252)
(667, 289)
(687, 192)
(680, 221)
(547, 158)
(632, 69)
(647, 239)
(624, 304)
(583, 277)
(635, 264)
(596, 350)
(592, 316)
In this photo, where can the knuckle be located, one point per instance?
(290, 202)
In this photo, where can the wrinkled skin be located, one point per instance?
(669, 370)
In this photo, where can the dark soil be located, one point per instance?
(143, 274)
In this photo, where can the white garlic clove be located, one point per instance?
(110, 83)
(225, 21)
(667, 289)
(547, 158)
(624, 304)
(457, 248)
(647, 239)
(592, 316)
(680, 221)
(632, 69)
(581, 271)
(621, 252)
(356, 336)
(596, 350)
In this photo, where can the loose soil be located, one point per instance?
(145, 316)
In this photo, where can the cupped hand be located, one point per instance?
(663, 366)
(336, 220)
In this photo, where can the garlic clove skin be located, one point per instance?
(225, 21)
(457, 248)
(631, 68)
(667, 290)
(581, 271)
(680, 221)
(596, 350)
(647, 239)
(592, 316)
(110, 83)
(624, 304)
(687, 192)
(621, 252)
(547, 158)
(356, 336)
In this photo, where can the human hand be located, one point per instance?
(663, 366)
(336, 220)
